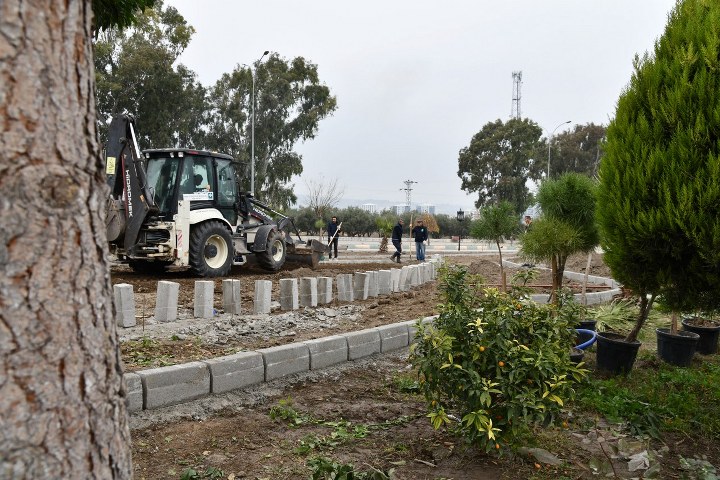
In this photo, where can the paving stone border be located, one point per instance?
(167, 386)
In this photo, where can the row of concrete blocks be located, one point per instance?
(308, 292)
(593, 298)
(165, 386)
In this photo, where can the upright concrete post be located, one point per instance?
(166, 301)
(288, 294)
(203, 305)
(372, 284)
(362, 285)
(415, 275)
(420, 273)
(345, 287)
(427, 272)
(325, 290)
(434, 264)
(261, 298)
(395, 279)
(124, 304)
(384, 282)
(405, 279)
(231, 296)
(308, 292)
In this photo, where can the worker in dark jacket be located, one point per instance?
(333, 230)
(420, 233)
(397, 234)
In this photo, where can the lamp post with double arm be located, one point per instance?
(252, 127)
(460, 217)
(549, 142)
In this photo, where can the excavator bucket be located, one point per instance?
(308, 253)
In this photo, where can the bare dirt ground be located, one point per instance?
(365, 413)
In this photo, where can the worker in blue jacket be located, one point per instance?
(420, 232)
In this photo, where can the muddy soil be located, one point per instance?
(368, 414)
(152, 344)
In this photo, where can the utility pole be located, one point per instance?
(408, 191)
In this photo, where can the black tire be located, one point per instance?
(147, 267)
(273, 258)
(211, 249)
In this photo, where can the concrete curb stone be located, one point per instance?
(235, 371)
(175, 384)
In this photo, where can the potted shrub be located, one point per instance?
(659, 195)
(708, 331)
(702, 322)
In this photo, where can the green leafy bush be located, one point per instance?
(493, 364)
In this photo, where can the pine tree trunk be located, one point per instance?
(62, 401)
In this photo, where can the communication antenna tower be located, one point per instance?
(517, 84)
(408, 190)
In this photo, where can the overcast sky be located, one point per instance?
(416, 79)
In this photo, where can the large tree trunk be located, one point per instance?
(62, 402)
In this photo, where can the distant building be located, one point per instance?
(400, 209)
(425, 208)
(369, 207)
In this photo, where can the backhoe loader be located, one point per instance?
(184, 207)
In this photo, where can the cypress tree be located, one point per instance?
(659, 193)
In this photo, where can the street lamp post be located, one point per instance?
(460, 218)
(252, 127)
(549, 142)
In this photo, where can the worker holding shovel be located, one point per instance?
(333, 229)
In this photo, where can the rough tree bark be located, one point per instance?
(62, 402)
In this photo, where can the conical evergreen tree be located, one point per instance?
(659, 194)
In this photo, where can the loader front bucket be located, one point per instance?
(307, 253)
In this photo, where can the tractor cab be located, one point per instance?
(205, 179)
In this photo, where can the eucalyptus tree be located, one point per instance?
(137, 72)
(290, 103)
(578, 150)
(499, 161)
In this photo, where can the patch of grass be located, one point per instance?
(659, 397)
(284, 410)
(407, 384)
(211, 473)
(326, 469)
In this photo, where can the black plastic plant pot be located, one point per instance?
(588, 324)
(576, 355)
(614, 354)
(676, 349)
(708, 343)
